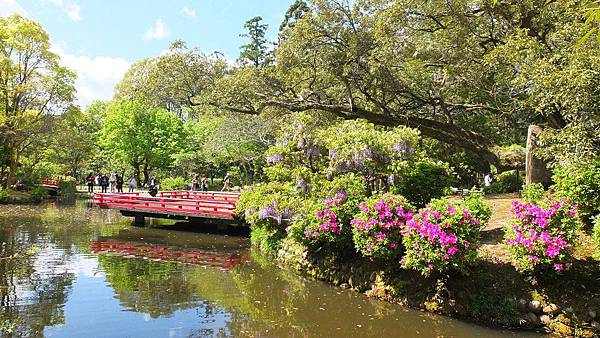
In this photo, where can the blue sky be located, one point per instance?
(100, 38)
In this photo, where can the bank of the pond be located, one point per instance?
(492, 293)
(20, 197)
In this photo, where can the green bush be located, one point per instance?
(422, 181)
(68, 186)
(4, 195)
(480, 210)
(177, 183)
(596, 235)
(533, 192)
(506, 182)
(38, 193)
(580, 183)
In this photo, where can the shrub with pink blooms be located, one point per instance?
(444, 236)
(327, 221)
(376, 230)
(542, 237)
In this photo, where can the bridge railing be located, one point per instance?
(166, 204)
(50, 182)
(212, 195)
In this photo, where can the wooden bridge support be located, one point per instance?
(139, 220)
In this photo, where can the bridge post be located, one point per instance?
(139, 220)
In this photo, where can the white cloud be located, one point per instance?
(70, 9)
(158, 31)
(96, 77)
(188, 12)
(73, 12)
(8, 7)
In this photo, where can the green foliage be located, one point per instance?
(478, 208)
(177, 183)
(4, 195)
(255, 52)
(533, 192)
(580, 183)
(34, 88)
(422, 181)
(506, 182)
(68, 186)
(38, 193)
(445, 236)
(144, 138)
(596, 235)
(377, 229)
(269, 208)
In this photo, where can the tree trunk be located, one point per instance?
(146, 174)
(535, 168)
(14, 163)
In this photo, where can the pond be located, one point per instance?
(75, 271)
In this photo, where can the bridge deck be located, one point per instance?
(171, 204)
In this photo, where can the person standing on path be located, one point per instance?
(226, 182)
(113, 182)
(204, 185)
(119, 183)
(104, 182)
(195, 183)
(90, 182)
(132, 183)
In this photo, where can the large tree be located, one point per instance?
(439, 66)
(33, 85)
(174, 80)
(141, 137)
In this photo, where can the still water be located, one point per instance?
(74, 271)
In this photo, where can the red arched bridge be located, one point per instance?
(180, 205)
(52, 184)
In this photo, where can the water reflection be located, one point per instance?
(94, 275)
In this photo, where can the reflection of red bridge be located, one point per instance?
(183, 205)
(189, 256)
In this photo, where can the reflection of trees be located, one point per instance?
(156, 288)
(31, 298)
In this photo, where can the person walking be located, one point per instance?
(113, 182)
(119, 183)
(204, 184)
(226, 182)
(90, 182)
(195, 183)
(132, 183)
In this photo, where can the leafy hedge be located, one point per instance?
(177, 183)
(580, 183)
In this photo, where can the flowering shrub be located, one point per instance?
(445, 235)
(542, 237)
(326, 222)
(376, 229)
(268, 209)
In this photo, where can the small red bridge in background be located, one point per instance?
(52, 184)
(180, 205)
